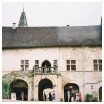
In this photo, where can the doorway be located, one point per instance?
(100, 94)
(19, 87)
(46, 67)
(74, 88)
(43, 84)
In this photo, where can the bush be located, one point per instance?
(90, 98)
(5, 90)
(95, 99)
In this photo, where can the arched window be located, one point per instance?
(46, 67)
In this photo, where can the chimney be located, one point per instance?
(14, 26)
(67, 25)
(101, 21)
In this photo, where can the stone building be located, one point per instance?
(44, 59)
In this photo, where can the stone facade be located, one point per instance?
(84, 76)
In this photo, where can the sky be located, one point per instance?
(53, 13)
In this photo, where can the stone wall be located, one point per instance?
(83, 55)
(18, 75)
(84, 76)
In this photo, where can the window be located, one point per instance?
(97, 65)
(71, 65)
(36, 64)
(24, 65)
(55, 63)
(68, 65)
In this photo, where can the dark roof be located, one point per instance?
(25, 37)
(23, 20)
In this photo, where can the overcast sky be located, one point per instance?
(53, 14)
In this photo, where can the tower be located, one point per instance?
(23, 20)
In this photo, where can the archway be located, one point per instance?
(46, 65)
(20, 87)
(43, 84)
(100, 94)
(73, 89)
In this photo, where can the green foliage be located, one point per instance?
(5, 90)
(90, 98)
(95, 99)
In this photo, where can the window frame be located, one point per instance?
(70, 64)
(55, 63)
(98, 64)
(24, 65)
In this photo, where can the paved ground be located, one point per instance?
(9, 100)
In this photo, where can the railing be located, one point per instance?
(44, 70)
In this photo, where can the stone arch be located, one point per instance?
(20, 87)
(46, 64)
(44, 84)
(100, 94)
(73, 89)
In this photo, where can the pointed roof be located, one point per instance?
(23, 20)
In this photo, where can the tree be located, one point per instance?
(5, 90)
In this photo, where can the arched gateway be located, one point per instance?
(43, 84)
(100, 94)
(73, 89)
(19, 87)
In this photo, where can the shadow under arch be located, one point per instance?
(100, 94)
(20, 87)
(43, 84)
(46, 64)
(72, 87)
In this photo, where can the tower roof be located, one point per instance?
(23, 20)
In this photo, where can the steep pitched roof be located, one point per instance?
(25, 37)
(23, 20)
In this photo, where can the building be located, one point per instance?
(44, 59)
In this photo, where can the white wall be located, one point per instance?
(84, 56)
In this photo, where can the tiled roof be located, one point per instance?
(27, 37)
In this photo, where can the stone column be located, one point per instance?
(59, 88)
(36, 82)
(36, 93)
(29, 92)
